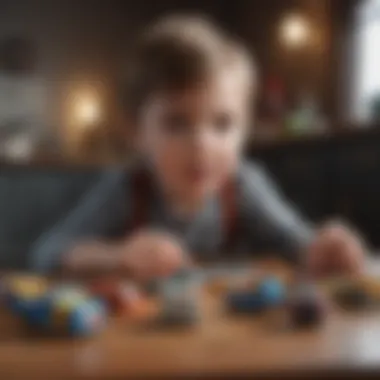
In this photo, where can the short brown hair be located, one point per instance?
(178, 52)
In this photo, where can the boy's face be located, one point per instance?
(194, 137)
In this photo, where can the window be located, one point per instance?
(367, 59)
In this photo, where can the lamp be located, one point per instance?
(294, 31)
(86, 110)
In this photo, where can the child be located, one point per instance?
(190, 96)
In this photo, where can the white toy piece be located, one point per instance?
(180, 298)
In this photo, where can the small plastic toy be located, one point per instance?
(306, 306)
(372, 285)
(67, 311)
(120, 297)
(180, 299)
(269, 292)
(353, 297)
(21, 291)
(227, 278)
(63, 310)
(272, 291)
(354, 293)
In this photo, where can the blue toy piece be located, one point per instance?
(272, 291)
(87, 319)
(22, 292)
(269, 293)
(67, 311)
(71, 311)
(244, 302)
(38, 311)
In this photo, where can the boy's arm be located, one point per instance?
(270, 217)
(100, 210)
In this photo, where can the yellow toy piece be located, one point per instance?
(369, 284)
(64, 301)
(26, 287)
(372, 285)
(333, 284)
(69, 299)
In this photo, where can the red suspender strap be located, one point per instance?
(229, 214)
(141, 191)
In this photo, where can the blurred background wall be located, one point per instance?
(82, 47)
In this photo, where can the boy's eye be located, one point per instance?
(223, 122)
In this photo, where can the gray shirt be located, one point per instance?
(267, 223)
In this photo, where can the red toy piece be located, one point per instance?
(120, 297)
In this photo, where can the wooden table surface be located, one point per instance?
(220, 347)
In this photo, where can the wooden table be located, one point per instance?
(220, 347)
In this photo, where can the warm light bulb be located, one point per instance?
(87, 110)
(294, 31)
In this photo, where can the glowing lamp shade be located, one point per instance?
(294, 31)
(87, 110)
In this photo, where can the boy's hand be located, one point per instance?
(152, 254)
(336, 250)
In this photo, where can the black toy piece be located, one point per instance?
(306, 306)
(306, 313)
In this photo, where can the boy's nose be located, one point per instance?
(202, 138)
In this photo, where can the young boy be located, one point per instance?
(189, 97)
